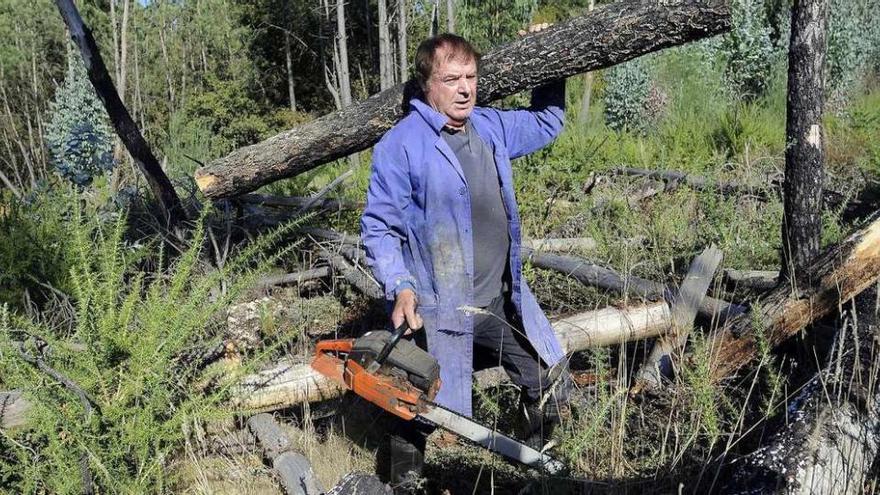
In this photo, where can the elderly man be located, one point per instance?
(442, 234)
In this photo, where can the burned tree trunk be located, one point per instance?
(831, 438)
(607, 36)
(122, 122)
(839, 274)
(804, 153)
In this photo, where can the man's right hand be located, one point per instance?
(405, 307)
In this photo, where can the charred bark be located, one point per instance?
(804, 152)
(607, 36)
(831, 438)
(842, 272)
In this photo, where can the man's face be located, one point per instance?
(452, 88)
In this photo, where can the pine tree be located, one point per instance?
(79, 136)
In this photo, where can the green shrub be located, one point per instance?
(748, 51)
(626, 95)
(129, 348)
(78, 134)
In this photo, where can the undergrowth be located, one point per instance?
(133, 348)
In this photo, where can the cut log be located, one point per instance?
(289, 383)
(684, 308)
(294, 470)
(831, 436)
(759, 280)
(839, 274)
(591, 274)
(360, 484)
(13, 409)
(604, 37)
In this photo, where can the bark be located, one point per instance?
(386, 57)
(125, 127)
(402, 51)
(831, 436)
(609, 35)
(760, 280)
(294, 470)
(687, 300)
(842, 272)
(804, 152)
(290, 383)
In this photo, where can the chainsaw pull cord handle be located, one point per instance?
(395, 338)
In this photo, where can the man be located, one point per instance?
(442, 234)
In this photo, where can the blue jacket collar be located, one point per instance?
(434, 118)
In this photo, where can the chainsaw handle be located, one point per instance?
(395, 338)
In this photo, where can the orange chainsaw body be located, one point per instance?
(390, 392)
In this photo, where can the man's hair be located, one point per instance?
(456, 48)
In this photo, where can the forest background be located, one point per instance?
(82, 262)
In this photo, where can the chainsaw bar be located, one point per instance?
(490, 438)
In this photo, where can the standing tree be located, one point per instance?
(450, 16)
(386, 56)
(401, 41)
(804, 153)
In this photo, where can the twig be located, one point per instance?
(323, 192)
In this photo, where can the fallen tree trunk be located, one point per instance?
(760, 280)
(839, 274)
(606, 36)
(673, 177)
(605, 278)
(294, 470)
(288, 383)
(831, 436)
(659, 364)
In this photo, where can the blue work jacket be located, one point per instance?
(416, 227)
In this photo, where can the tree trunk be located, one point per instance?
(403, 60)
(804, 153)
(125, 127)
(687, 301)
(450, 16)
(342, 45)
(839, 274)
(294, 470)
(831, 436)
(609, 35)
(288, 57)
(386, 64)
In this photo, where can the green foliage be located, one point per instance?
(138, 329)
(40, 225)
(78, 135)
(748, 51)
(626, 95)
(489, 23)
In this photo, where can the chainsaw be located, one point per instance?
(403, 379)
